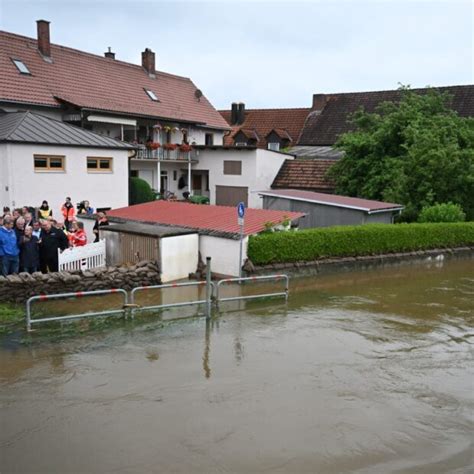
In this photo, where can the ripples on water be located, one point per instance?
(361, 372)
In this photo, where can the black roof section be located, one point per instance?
(29, 127)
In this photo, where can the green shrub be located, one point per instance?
(140, 191)
(447, 212)
(351, 241)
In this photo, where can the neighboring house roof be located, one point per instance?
(323, 127)
(263, 121)
(210, 220)
(365, 205)
(97, 83)
(304, 174)
(316, 152)
(28, 127)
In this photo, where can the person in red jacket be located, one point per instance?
(68, 212)
(78, 237)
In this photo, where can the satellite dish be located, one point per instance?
(198, 94)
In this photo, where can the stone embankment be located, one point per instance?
(18, 288)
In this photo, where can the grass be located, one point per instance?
(12, 317)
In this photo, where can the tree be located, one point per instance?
(417, 152)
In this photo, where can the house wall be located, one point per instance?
(319, 215)
(259, 168)
(4, 175)
(178, 256)
(213, 161)
(224, 253)
(30, 187)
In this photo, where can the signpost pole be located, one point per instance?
(240, 220)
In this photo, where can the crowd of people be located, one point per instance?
(31, 237)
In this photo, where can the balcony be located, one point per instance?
(161, 154)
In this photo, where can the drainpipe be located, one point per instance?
(189, 175)
(158, 187)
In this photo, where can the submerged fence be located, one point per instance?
(83, 258)
(130, 307)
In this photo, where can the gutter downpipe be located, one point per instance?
(190, 190)
(129, 161)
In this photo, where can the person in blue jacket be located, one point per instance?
(9, 250)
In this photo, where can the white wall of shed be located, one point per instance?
(178, 256)
(30, 187)
(224, 254)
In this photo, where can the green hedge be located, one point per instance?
(351, 241)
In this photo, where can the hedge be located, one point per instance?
(352, 241)
(140, 191)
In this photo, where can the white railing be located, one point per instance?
(83, 258)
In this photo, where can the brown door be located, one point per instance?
(231, 195)
(134, 248)
(197, 182)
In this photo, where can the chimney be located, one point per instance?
(234, 114)
(109, 54)
(44, 45)
(240, 113)
(319, 101)
(148, 61)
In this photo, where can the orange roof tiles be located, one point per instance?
(263, 121)
(98, 83)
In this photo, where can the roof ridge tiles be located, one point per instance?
(94, 55)
(396, 90)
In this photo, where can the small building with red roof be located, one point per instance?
(217, 227)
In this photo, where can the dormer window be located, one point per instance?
(21, 66)
(152, 95)
(274, 146)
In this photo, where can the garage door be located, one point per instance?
(231, 195)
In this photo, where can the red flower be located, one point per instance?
(185, 148)
(170, 146)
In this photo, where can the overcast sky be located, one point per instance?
(270, 54)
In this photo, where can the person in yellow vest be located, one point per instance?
(44, 211)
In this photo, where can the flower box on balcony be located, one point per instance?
(185, 148)
(170, 146)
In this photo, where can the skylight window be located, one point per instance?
(21, 66)
(152, 95)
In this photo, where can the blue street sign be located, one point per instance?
(241, 209)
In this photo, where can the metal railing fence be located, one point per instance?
(77, 294)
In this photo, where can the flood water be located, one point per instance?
(368, 372)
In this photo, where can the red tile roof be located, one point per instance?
(333, 200)
(307, 174)
(263, 121)
(214, 220)
(95, 82)
(324, 127)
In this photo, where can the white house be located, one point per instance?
(130, 102)
(227, 175)
(46, 159)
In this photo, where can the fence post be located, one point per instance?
(208, 287)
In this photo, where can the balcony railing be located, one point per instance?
(165, 155)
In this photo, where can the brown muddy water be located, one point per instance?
(368, 372)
